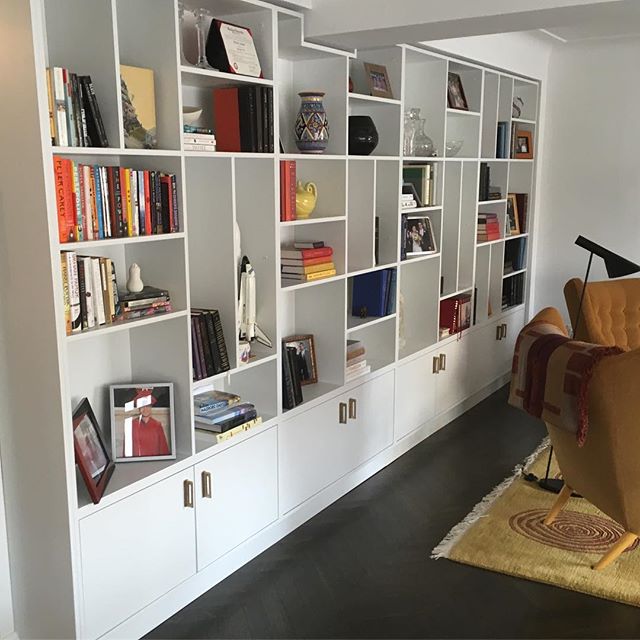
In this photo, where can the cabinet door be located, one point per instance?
(415, 394)
(238, 497)
(135, 551)
(452, 380)
(513, 323)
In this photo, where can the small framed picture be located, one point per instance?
(418, 236)
(142, 422)
(524, 145)
(92, 457)
(305, 357)
(378, 80)
(512, 214)
(455, 93)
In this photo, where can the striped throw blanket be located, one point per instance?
(550, 376)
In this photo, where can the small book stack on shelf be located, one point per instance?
(512, 291)
(374, 294)
(244, 119)
(488, 227)
(356, 361)
(198, 138)
(306, 261)
(291, 382)
(208, 348)
(224, 414)
(74, 115)
(423, 179)
(96, 202)
(287, 190)
(455, 314)
(148, 302)
(408, 201)
(502, 145)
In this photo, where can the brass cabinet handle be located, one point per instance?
(443, 362)
(504, 330)
(206, 484)
(499, 332)
(353, 406)
(436, 364)
(342, 412)
(187, 486)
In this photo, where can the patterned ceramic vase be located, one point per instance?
(312, 126)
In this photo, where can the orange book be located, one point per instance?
(64, 199)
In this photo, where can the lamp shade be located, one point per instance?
(616, 265)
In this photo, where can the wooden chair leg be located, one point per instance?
(558, 505)
(625, 541)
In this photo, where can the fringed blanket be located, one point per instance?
(550, 376)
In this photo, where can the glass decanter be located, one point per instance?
(203, 21)
(422, 143)
(411, 118)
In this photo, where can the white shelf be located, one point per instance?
(311, 394)
(523, 121)
(461, 112)
(124, 325)
(489, 242)
(205, 440)
(353, 323)
(206, 384)
(455, 293)
(305, 285)
(307, 221)
(422, 159)
(196, 77)
(228, 154)
(437, 207)
(110, 242)
(364, 98)
(312, 156)
(429, 256)
(516, 236)
(482, 203)
(113, 151)
(374, 157)
(378, 267)
(513, 273)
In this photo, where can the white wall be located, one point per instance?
(590, 178)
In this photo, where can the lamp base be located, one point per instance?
(551, 484)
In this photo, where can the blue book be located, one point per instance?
(369, 294)
(391, 304)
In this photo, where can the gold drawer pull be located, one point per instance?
(443, 362)
(187, 486)
(206, 484)
(353, 406)
(342, 412)
(436, 364)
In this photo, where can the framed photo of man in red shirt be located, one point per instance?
(142, 422)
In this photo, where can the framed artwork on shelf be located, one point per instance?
(93, 459)
(513, 219)
(138, 107)
(378, 80)
(142, 422)
(455, 93)
(305, 357)
(230, 48)
(418, 236)
(524, 145)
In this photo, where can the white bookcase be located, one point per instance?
(101, 573)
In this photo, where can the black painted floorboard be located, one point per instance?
(361, 568)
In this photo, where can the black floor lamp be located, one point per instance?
(616, 267)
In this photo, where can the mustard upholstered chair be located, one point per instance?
(606, 470)
(610, 311)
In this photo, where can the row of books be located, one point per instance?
(74, 114)
(96, 202)
(356, 361)
(244, 119)
(374, 294)
(91, 297)
(291, 378)
(485, 190)
(288, 179)
(208, 348)
(455, 314)
(514, 255)
(502, 143)
(198, 138)
(488, 227)
(512, 291)
(224, 414)
(306, 261)
(423, 179)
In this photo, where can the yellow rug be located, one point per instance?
(505, 533)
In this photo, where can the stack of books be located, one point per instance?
(488, 227)
(455, 314)
(198, 138)
(287, 190)
(291, 383)
(512, 291)
(244, 119)
(306, 261)
(74, 115)
(502, 145)
(208, 348)
(356, 361)
(148, 302)
(514, 255)
(224, 414)
(408, 201)
(95, 202)
(374, 294)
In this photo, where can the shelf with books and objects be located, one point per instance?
(305, 259)
(455, 314)
(371, 296)
(378, 339)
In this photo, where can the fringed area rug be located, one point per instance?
(505, 533)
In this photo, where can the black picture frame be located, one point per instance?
(92, 456)
(455, 93)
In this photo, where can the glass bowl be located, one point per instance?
(453, 147)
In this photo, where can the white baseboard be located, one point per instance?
(155, 613)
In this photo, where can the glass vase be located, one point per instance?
(422, 143)
(181, 10)
(203, 21)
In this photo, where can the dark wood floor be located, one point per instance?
(361, 568)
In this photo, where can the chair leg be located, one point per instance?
(625, 541)
(558, 505)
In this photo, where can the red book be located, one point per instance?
(449, 314)
(304, 262)
(287, 190)
(64, 196)
(306, 253)
(283, 191)
(227, 119)
(147, 205)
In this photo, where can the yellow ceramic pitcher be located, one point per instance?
(306, 197)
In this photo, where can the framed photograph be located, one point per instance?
(142, 422)
(455, 93)
(378, 80)
(512, 215)
(524, 145)
(305, 357)
(92, 457)
(419, 238)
